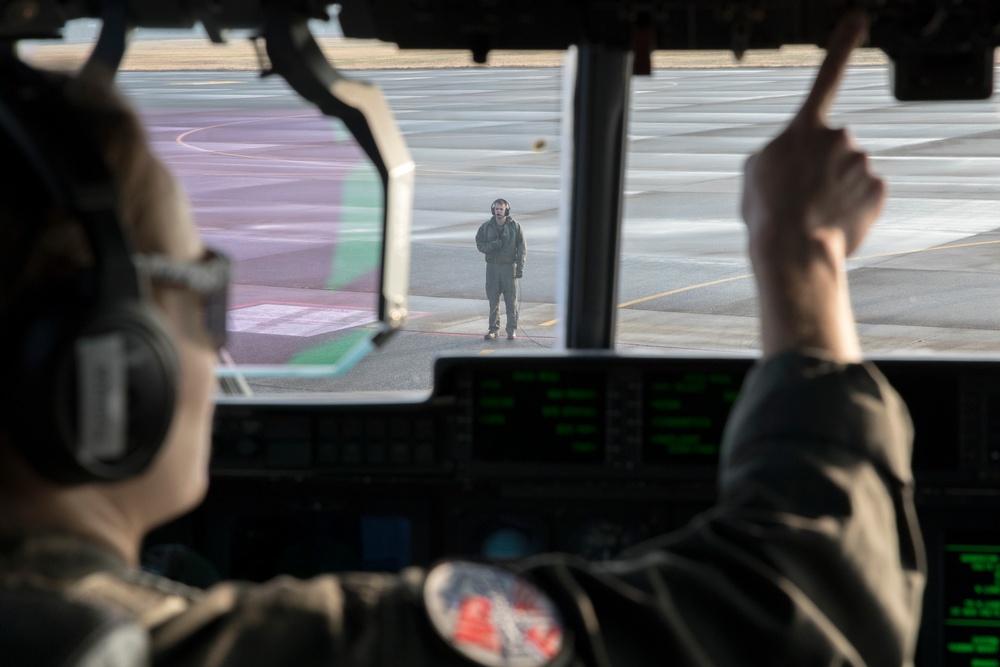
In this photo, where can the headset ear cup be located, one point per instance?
(130, 340)
(98, 408)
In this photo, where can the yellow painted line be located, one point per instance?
(750, 275)
(663, 294)
(683, 289)
(940, 247)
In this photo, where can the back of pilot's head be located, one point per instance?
(43, 244)
(81, 351)
(500, 207)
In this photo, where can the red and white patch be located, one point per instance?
(493, 616)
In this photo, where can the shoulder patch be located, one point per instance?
(491, 616)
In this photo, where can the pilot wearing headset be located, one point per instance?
(501, 240)
(811, 557)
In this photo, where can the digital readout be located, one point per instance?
(539, 416)
(684, 414)
(972, 604)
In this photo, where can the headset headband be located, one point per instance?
(91, 384)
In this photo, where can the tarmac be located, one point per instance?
(259, 167)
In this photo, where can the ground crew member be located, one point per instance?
(501, 239)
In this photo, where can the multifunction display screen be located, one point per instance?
(972, 603)
(539, 416)
(684, 414)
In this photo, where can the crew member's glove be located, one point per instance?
(519, 273)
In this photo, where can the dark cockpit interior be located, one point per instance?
(584, 450)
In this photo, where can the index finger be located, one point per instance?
(849, 34)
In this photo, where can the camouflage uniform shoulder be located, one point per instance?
(149, 598)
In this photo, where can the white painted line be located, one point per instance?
(287, 320)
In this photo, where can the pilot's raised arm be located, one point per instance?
(812, 555)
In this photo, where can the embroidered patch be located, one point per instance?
(492, 616)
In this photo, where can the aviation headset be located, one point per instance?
(504, 202)
(89, 380)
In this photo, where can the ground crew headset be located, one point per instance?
(89, 384)
(500, 203)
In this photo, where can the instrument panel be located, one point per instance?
(588, 453)
(585, 415)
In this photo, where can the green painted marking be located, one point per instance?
(333, 351)
(358, 247)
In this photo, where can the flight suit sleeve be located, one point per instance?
(482, 239)
(481, 242)
(812, 555)
(353, 619)
(521, 251)
(816, 469)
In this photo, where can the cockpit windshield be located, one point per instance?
(297, 203)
